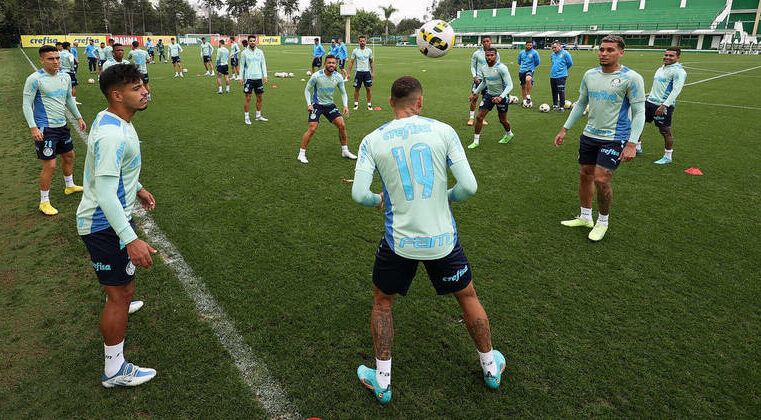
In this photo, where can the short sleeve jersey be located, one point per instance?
(174, 50)
(323, 87)
(91, 50)
(67, 61)
(45, 98)
(234, 50)
(411, 156)
(113, 149)
(206, 49)
(667, 79)
(223, 56)
(140, 58)
(108, 52)
(101, 53)
(363, 57)
(478, 62)
(610, 98)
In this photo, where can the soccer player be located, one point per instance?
(92, 56)
(206, 51)
(68, 65)
(496, 85)
(160, 47)
(45, 111)
(174, 52)
(149, 47)
(253, 76)
(659, 107)
(528, 61)
(363, 57)
(101, 58)
(411, 155)
(319, 95)
(234, 57)
(561, 61)
(343, 54)
(477, 64)
(223, 56)
(118, 58)
(333, 48)
(104, 216)
(75, 53)
(109, 50)
(141, 58)
(610, 137)
(317, 52)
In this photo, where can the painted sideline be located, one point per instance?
(722, 75)
(270, 394)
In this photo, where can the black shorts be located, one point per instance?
(223, 70)
(487, 104)
(109, 257)
(363, 77)
(175, 59)
(100, 63)
(151, 53)
(73, 76)
(55, 141)
(603, 153)
(317, 62)
(662, 121)
(393, 274)
(522, 77)
(253, 85)
(234, 61)
(341, 63)
(146, 79)
(329, 111)
(207, 59)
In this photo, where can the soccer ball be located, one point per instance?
(184, 70)
(567, 105)
(435, 38)
(514, 99)
(290, 74)
(544, 108)
(309, 73)
(90, 81)
(527, 103)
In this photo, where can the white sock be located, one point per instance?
(248, 117)
(668, 153)
(75, 98)
(44, 196)
(487, 362)
(369, 104)
(528, 97)
(383, 373)
(472, 114)
(510, 133)
(69, 180)
(639, 146)
(114, 358)
(258, 114)
(586, 213)
(220, 89)
(356, 103)
(228, 88)
(476, 138)
(302, 152)
(344, 148)
(603, 219)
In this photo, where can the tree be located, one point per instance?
(387, 12)
(407, 26)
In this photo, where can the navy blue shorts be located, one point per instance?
(329, 111)
(55, 141)
(393, 274)
(603, 153)
(522, 77)
(487, 104)
(73, 76)
(109, 257)
(253, 85)
(145, 78)
(175, 59)
(317, 62)
(223, 70)
(100, 63)
(363, 77)
(207, 59)
(234, 61)
(341, 64)
(662, 121)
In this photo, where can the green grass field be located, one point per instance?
(660, 319)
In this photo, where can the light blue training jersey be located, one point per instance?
(223, 56)
(343, 53)
(111, 61)
(318, 50)
(108, 52)
(206, 49)
(101, 52)
(528, 61)
(140, 58)
(610, 98)
(478, 62)
(363, 57)
(113, 149)
(174, 50)
(91, 50)
(667, 84)
(560, 62)
(234, 50)
(253, 65)
(67, 61)
(496, 80)
(321, 87)
(46, 97)
(411, 156)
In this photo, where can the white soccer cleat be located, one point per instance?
(302, 158)
(129, 375)
(135, 306)
(261, 118)
(349, 155)
(247, 121)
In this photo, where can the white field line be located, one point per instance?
(256, 375)
(722, 75)
(722, 105)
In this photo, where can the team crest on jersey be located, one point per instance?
(616, 82)
(47, 151)
(130, 268)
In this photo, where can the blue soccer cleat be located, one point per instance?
(493, 381)
(662, 161)
(128, 375)
(367, 377)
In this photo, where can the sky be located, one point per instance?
(407, 9)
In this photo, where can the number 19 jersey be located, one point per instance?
(411, 156)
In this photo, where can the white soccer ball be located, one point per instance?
(544, 108)
(567, 104)
(527, 103)
(303, 80)
(184, 70)
(309, 73)
(514, 99)
(90, 81)
(290, 74)
(435, 38)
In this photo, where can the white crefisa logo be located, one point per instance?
(47, 151)
(130, 268)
